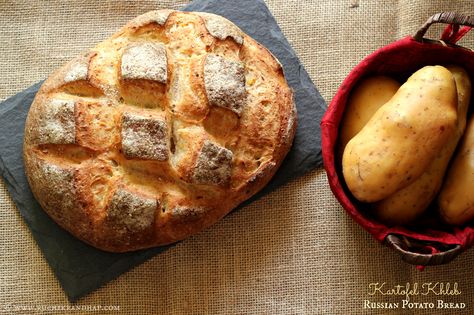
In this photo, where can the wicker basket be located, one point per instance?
(430, 244)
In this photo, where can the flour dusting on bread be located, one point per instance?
(145, 61)
(144, 137)
(131, 211)
(213, 165)
(78, 69)
(56, 123)
(225, 83)
(222, 28)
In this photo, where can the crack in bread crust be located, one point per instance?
(158, 131)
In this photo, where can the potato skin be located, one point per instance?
(368, 96)
(408, 203)
(456, 199)
(401, 139)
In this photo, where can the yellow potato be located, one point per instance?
(368, 96)
(401, 139)
(463, 85)
(456, 199)
(409, 202)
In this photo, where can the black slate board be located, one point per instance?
(81, 268)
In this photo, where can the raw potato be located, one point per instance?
(408, 203)
(456, 199)
(402, 138)
(368, 96)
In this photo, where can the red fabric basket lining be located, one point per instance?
(398, 60)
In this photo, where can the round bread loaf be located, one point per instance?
(159, 131)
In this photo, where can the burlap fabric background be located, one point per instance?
(294, 251)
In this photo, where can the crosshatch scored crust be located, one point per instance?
(159, 131)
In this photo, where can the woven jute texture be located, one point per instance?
(292, 252)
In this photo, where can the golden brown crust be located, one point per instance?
(159, 131)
